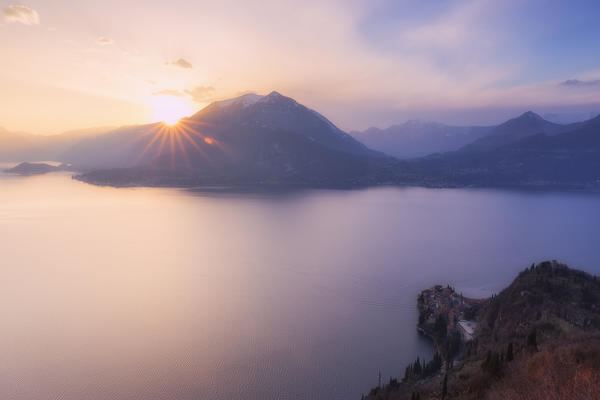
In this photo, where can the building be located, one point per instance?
(467, 329)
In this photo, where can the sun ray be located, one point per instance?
(163, 140)
(176, 140)
(154, 139)
(178, 135)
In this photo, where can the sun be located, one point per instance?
(169, 109)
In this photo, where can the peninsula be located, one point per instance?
(537, 339)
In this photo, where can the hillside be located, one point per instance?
(537, 339)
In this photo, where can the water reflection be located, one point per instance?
(154, 293)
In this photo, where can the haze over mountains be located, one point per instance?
(273, 139)
(22, 146)
(419, 138)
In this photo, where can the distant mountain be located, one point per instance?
(26, 168)
(248, 139)
(418, 138)
(515, 129)
(16, 146)
(273, 139)
(251, 114)
(21, 146)
(570, 159)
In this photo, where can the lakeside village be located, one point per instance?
(447, 318)
(443, 311)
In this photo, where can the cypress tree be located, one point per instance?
(509, 352)
(532, 340)
(445, 386)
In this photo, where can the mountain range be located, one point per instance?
(524, 152)
(273, 139)
(250, 139)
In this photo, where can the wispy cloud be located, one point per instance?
(577, 83)
(181, 63)
(104, 41)
(21, 14)
(200, 94)
(169, 92)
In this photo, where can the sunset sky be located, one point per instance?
(77, 64)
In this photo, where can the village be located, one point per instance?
(442, 312)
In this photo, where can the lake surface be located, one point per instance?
(172, 294)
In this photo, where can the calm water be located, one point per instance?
(170, 294)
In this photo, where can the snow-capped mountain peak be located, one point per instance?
(245, 100)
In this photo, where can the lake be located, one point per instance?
(175, 294)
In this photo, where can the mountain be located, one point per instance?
(537, 339)
(248, 139)
(418, 138)
(570, 159)
(27, 169)
(19, 146)
(16, 146)
(251, 115)
(513, 130)
(273, 139)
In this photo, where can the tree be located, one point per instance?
(509, 352)
(532, 340)
(417, 369)
(492, 363)
(445, 387)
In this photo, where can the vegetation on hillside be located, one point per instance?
(538, 339)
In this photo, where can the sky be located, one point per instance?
(69, 65)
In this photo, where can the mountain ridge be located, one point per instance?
(248, 139)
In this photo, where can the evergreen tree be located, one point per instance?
(445, 387)
(532, 340)
(407, 373)
(417, 369)
(509, 353)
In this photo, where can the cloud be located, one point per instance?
(169, 92)
(181, 63)
(21, 14)
(200, 94)
(104, 41)
(578, 83)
